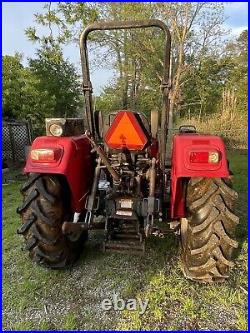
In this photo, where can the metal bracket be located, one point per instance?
(95, 206)
(89, 214)
(156, 204)
(88, 217)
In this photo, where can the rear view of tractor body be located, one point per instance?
(116, 167)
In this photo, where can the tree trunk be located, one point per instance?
(125, 77)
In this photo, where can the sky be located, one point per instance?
(17, 16)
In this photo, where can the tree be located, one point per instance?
(114, 46)
(37, 103)
(199, 69)
(12, 85)
(195, 26)
(236, 53)
(59, 78)
(48, 87)
(203, 89)
(213, 79)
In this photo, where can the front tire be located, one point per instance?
(207, 235)
(45, 207)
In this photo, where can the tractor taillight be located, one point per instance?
(212, 157)
(48, 155)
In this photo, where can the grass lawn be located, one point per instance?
(35, 298)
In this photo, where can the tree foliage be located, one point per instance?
(237, 55)
(205, 65)
(208, 80)
(48, 87)
(12, 83)
(59, 78)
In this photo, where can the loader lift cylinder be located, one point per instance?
(165, 84)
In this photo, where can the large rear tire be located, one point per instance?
(207, 235)
(45, 207)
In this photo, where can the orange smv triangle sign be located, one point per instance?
(125, 132)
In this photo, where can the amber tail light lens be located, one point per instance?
(212, 157)
(46, 155)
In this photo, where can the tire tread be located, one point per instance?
(209, 240)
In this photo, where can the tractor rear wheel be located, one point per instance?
(45, 207)
(207, 235)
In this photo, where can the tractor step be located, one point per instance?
(135, 247)
(127, 238)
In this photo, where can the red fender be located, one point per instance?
(182, 167)
(75, 163)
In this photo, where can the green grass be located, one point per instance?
(36, 298)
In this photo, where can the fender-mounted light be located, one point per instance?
(48, 155)
(56, 129)
(211, 157)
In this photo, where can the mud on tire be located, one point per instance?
(207, 235)
(45, 207)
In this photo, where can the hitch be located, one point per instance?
(71, 227)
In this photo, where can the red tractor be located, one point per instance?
(116, 167)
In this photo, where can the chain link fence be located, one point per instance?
(16, 136)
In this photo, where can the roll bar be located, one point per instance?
(165, 84)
